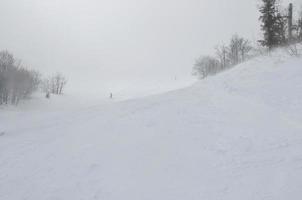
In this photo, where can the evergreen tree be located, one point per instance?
(280, 29)
(272, 24)
(300, 27)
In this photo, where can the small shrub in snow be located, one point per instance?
(294, 50)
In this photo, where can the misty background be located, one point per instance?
(111, 45)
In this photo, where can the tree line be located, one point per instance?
(238, 50)
(279, 30)
(18, 82)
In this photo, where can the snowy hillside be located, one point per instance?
(237, 135)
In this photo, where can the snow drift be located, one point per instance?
(237, 135)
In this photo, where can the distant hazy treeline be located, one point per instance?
(18, 82)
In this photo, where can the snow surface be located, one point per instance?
(237, 135)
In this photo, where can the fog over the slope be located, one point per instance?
(116, 42)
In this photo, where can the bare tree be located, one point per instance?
(238, 50)
(244, 49)
(54, 84)
(222, 52)
(234, 50)
(205, 66)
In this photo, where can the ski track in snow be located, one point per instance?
(237, 135)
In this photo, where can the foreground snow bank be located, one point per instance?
(233, 136)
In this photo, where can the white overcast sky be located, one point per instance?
(108, 40)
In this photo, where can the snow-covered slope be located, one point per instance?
(234, 136)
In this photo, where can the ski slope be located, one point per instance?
(237, 135)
